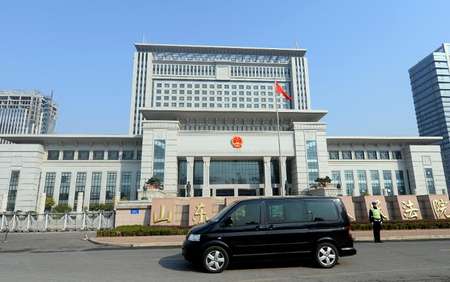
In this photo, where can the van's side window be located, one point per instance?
(246, 214)
(286, 211)
(322, 210)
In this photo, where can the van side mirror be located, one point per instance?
(227, 222)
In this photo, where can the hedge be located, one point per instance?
(402, 225)
(139, 230)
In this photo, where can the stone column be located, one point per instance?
(117, 191)
(87, 192)
(394, 183)
(80, 198)
(3, 202)
(283, 175)
(71, 199)
(205, 192)
(190, 174)
(103, 188)
(267, 177)
(40, 209)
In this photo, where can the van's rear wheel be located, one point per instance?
(326, 255)
(215, 259)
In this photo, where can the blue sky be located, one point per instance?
(359, 52)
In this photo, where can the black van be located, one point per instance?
(315, 226)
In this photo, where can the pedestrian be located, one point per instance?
(376, 218)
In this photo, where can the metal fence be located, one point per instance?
(29, 222)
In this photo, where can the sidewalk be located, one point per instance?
(359, 236)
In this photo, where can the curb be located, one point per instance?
(146, 246)
(406, 238)
(174, 245)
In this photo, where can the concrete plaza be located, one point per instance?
(66, 257)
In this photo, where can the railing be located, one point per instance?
(32, 222)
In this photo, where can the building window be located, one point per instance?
(83, 155)
(53, 155)
(95, 188)
(384, 155)
(362, 182)
(128, 155)
(182, 172)
(111, 180)
(400, 182)
(333, 155)
(12, 191)
(136, 185)
(113, 155)
(80, 184)
(312, 161)
(275, 171)
(236, 172)
(375, 179)
(429, 179)
(359, 155)
(139, 155)
(198, 173)
(49, 185)
(159, 157)
(387, 177)
(99, 155)
(125, 186)
(68, 155)
(346, 155)
(349, 182)
(396, 155)
(64, 188)
(336, 178)
(372, 155)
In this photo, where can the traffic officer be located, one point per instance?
(376, 218)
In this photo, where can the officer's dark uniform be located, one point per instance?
(376, 218)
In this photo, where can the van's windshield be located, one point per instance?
(219, 215)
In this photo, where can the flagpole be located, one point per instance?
(282, 192)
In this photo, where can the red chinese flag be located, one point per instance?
(279, 89)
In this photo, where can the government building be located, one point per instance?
(205, 118)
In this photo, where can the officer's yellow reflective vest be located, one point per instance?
(376, 214)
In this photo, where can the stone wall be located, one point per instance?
(178, 211)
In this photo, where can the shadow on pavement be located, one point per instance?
(178, 263)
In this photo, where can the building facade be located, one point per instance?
(204, 119)
(26, 112)
(430, 84)
(214, 77)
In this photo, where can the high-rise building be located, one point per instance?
(26, 112)
(215, 77)
(430, 84)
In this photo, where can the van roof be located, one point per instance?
(286, 197)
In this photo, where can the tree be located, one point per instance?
(101, 207)
(62, 208)
(154, 182)
(49, 203)
(323, 181)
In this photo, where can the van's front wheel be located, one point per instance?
(326, 255)
(215, 259)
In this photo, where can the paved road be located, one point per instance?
(66, 257)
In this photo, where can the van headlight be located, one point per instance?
(194, 237)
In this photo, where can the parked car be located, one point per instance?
(315, 226)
